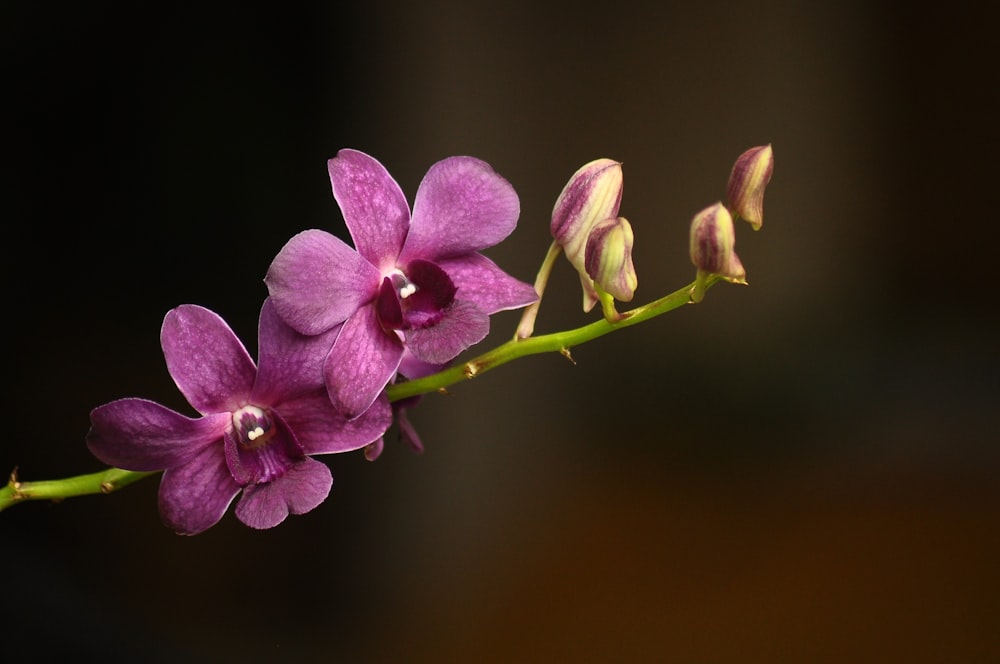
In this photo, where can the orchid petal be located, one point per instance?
(479, 280)
(373, 205)
(322, 429)
(195, 495)
(462, 205)
(388, 309)
(289, 363)
(317, 281)
(207, 361)
(374, 450)
(361, 362)
(137, 434)
(412, 368)
(408, 432)
(302, 487)
(462, 325)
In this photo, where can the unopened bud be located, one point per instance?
(712, 245)
(749, 178)
(591, 196)
(609, 258)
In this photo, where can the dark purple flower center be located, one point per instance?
(254, 427)
(260, 447)
(415, 298)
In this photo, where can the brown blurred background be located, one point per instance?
(804, 470)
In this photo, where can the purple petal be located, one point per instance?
(408, 432)
(136, 434)
(289, 363)
(304, 486)
(462, 205)
(462, 325)
(317, 281)
(374, 450)
(361, 363)
(322, 429)
(373, 206)
(479, 280)
(412, 368)
(205, 358)
(388, 310)
(194, 496)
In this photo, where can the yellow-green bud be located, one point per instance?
(609, 258)
(713, 239)
(747, 181)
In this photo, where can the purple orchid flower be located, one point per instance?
(258, 425)
(416, 292)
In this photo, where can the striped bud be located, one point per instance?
(749, 178)
(591, 195)
(713, 238)
(609, 258)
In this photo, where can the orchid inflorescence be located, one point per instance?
(350, 338)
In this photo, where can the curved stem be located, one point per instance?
(105, 481)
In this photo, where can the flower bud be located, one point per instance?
(592, 195)
(609, 258)
(712, 240)
(750, 175)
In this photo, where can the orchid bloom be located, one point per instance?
(415, 292)
(259, 425)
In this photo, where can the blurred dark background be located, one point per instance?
(804, 469)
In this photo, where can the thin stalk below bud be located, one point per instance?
(527, 325)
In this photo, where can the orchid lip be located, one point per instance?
(415, 298)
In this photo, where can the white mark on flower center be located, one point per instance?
(254, 426)
(404, 286)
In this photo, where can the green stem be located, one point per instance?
(105, 481)
(559, 342)
(112, 479)
(607, 304)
